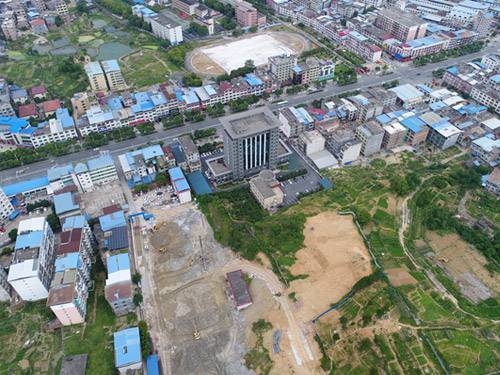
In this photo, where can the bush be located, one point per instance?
(145, 339)
(13, 235)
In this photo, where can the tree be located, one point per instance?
(54, 222)
(145, 339)
(253, 29)
(59, 21)
(81, 7)
(399, 185)
(161, 179)
(13, 234)
(136, 278)
(137, 299)
(191, 79)
(227, 23)
(196, 28)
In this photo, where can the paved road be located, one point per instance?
(405, 74)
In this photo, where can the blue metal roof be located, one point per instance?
(426, 89)
(178, 154)
(127, 344)
(152, 365)
(55, 173)
(80, 168)
(77, 221)
(110, 65)
(437, 105)
(453, 70)
(67, 261)
(383, 118)
(114, 103)
(253, 80)
(100, 162)
(29, 240)
(65, 203)
(62, 114)
(175, 173)
(15, 124)
(210, 90)
(118, 262)
(25, 186)
(413, 123)
(113, 220)
(199, 183)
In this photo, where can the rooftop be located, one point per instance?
(74, 365)
(118, 262)
(251, 122)
(113, 220)
(65, 203)
(127, 347)
(407, 92)
(404, 18)
(110, 66)
(239, 288)
(93, 68)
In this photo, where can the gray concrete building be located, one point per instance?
(251, 142)
(371, 135)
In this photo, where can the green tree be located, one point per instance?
(136, 278)
(191, 79)
(145, 339)
(59, 21)
(54, 222)
(12, 234)
(137, 299)
(198, 29)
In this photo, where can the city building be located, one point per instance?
(250, 142)
(394, 135)
(6, 109)
(113, 74)
(166, 28)
(361, 45)
(247, 15)
(186, 6)
(311, 142)
(6, 208)
(487, 150)
(493, 182)
(80, 103)
(96, 76)
(190, 152)
(371, 135)
(266, 190)
(5, 288)
(127, 344)
(32, 268)
(180, 185)
(417, 130)
(239, 289)
(401, 25)
(294, 121)
(119, 289)
(281, 67)
(443, 134)
(344, 145)
(141, 166)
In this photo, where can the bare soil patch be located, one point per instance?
(466, 265)
(400, 276)
(334, 257)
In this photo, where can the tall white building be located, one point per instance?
(167, 29)
(6, 207)
(113, 75)
(32, 268)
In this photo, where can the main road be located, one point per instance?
(404, 73)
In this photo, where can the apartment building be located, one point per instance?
(9, 29)
(5, 288)
(96, 76)
(61, 128)
(186, 6)
(443, 135)
(80, 103)
(360, 45)
(191, 153)
(344, 145)
(394, 135)
(491, 61)
(32, 265)
(113, 74)
(367, 108)
(166, 28)
(487, 96)
(119, 289)
(266, 190)
(281, 67)
(416, 130)
(250, 142)
(61, 8)
(371, 135)
(5, 105)
(247, 15)
(294, 121)
(311, 70)
(401, 25)
(6, 208)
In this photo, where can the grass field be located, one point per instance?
(146, 67)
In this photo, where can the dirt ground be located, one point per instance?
(466, 265)
(200, 63)
(400, 276)
(107, 195)
(334, 257)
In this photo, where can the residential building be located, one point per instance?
(493, 182)
(191, 153)
(294, 121)
(239, 289)
(367, 107)
(38, 26)
(281, 67)
(394, 135)
(186, 6)
(266, 190)
(5, 288)
(143, 12)
(38, 92)
(9, 29)
(487, 96)
(344, 145)
(113, 75)
(141, 166)
(371, 135)
(417, 130)
(32, 265)
(5, 105)
(127, 344)
(361, 45)
(250, 142)
(66, 204)
(180, 185)
(96, 76)
(487, 150)
(6, 208)
(247, 15)
(408, 95)
(19, 95)
(119, 289)
(62, 10)
(463, 13)
(311, 142)
(61, 128)
(166, 28)
(311, 70)
(491, 61)
(80, 103)
(401, 25)
(443, 134)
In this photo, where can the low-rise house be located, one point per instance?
(239, 289)
(487, 150)
(417, 130)
(127, 344)
(38, 92)
(191, 152)
(119, 289)
(180, 185)
(266, 190)
(493, 182)
(38, 26)
(311, 142)
(27, 111)
(50, 107)
(66, 204)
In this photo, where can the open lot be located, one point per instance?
(226, 56)
(333, 255)
(93, 202)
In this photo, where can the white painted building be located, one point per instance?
(165, 28)
(6, 207)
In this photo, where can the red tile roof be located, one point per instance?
(38, 90)
(70, 241)
(51, 105)
(110, 209)
(37, 22)
(118, 291)
(27, 110)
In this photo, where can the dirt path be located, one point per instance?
(300, 346)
